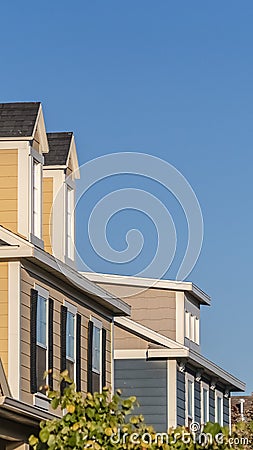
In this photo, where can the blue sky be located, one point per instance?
(172, 79)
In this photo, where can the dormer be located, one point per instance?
(23, 143)
(59, 174)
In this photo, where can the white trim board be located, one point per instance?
(153, 283)
(146, 333)
(24, 248)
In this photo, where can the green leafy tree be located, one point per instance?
(101, 422)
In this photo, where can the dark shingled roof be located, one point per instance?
(18, 119)
(59, 146)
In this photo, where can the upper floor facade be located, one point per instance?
(51, 317)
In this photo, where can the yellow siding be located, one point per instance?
(4, 314)
(9, 189)
(55, 292)
(47, 206)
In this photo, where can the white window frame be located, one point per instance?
(36, 161)
(197, 326)
(187, 324)
(219, 395)
(98, 324)
(189, 379)
(72, 310)
(205, 386)
(70, 233)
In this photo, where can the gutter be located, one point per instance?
(30, 414)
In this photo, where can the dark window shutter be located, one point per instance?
(90, 344)
(64, 311)
(103, 357)
(78, 352)
(50, 342)
(33, 340)
(63, 337)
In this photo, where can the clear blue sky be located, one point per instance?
(173, 79)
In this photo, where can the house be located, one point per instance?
(51, 316)
(242, 408)
(157, 353)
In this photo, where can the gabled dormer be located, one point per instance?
(59, 174)
(23, 142)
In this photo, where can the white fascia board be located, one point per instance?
(216, 371)
(80, 281)
(153, 283)
(73, 154)
(130, 354)
(145, 333)
(25, 249)
(16, 138)
(165, 353)
(207, 366)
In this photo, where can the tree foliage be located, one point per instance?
(103, 422)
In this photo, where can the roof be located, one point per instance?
(18, 119)
(150, 283)
(20, 248)
(59, 147)
(172, 350)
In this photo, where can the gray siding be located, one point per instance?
(212, 405)
(147, 380)
(180, 398)
(197, 402)
(226, 412)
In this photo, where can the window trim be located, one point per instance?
(36, 159)
(189, 378)
(205, 386)
(70, 187)
(219, 395)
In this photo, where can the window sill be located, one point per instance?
(41, 401)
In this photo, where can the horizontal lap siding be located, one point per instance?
(4, 315)
(147, 380)
(9, 189)
(180, 398)
(153, 308)
(27, 282)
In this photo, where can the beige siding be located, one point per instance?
(27, 282)
(153, 308)
(9, 189)
(4, 315)
(47, 206)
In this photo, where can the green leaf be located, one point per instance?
(44, 435)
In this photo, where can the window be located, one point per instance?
(70, 223)
(197, 330)
(96, 357)
(192, 327)
(187, 325)
(70, 344)
(204, 403)
(36, 199)
(41, 333)
(189, 399)
(219, 408)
